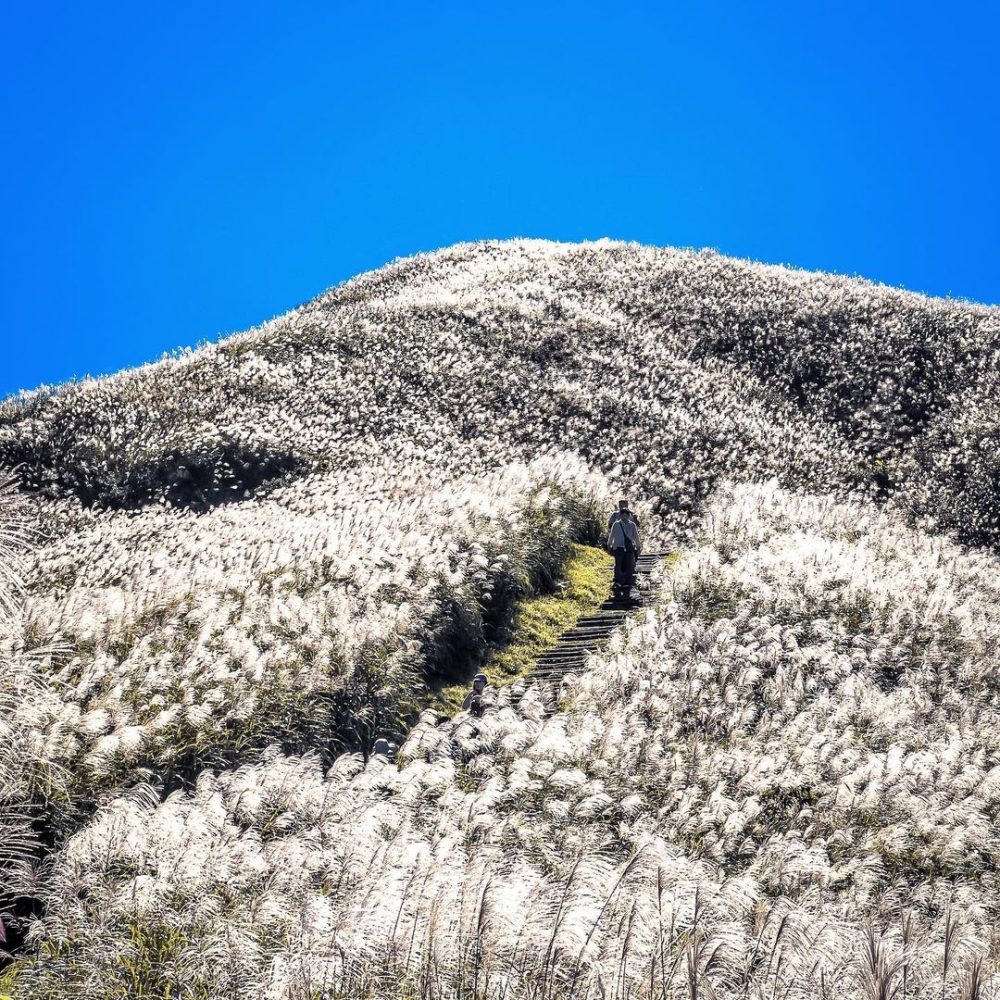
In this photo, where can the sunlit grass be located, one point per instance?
(777, 780)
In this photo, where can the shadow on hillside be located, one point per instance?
(221, 473)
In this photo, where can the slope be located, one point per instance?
(282, 538)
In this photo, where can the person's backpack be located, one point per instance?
(616, 516)
(630, 547)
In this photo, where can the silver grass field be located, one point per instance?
(224, 574)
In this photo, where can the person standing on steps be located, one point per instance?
(625, 546)
(622, 509)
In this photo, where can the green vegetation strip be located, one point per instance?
(539, 621)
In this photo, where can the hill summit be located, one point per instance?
(709, 367)
(254, 558)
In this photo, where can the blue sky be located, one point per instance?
(176, 171)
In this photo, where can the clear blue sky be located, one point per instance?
(175, 171)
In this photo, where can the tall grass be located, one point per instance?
(262, 554)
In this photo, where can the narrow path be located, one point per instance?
(591, 632)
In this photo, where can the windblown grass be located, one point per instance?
(781, 782)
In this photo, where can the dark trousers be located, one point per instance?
(624, 567)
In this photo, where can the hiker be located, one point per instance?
(383, 748)
(474, 703)
(617, 514)
(624, 545)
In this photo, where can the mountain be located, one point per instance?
(259, 555)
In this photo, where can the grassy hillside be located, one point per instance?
(264, 553)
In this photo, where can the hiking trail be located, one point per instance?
(591, 632)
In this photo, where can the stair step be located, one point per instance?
(592, 632)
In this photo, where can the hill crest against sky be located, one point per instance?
(506, 334)
(223, 192)
(367, 278)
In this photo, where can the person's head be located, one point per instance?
(479, 683)
(381, 748)
(623, 507)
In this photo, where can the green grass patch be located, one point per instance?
(538, 623)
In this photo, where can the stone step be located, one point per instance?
(591, 633)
